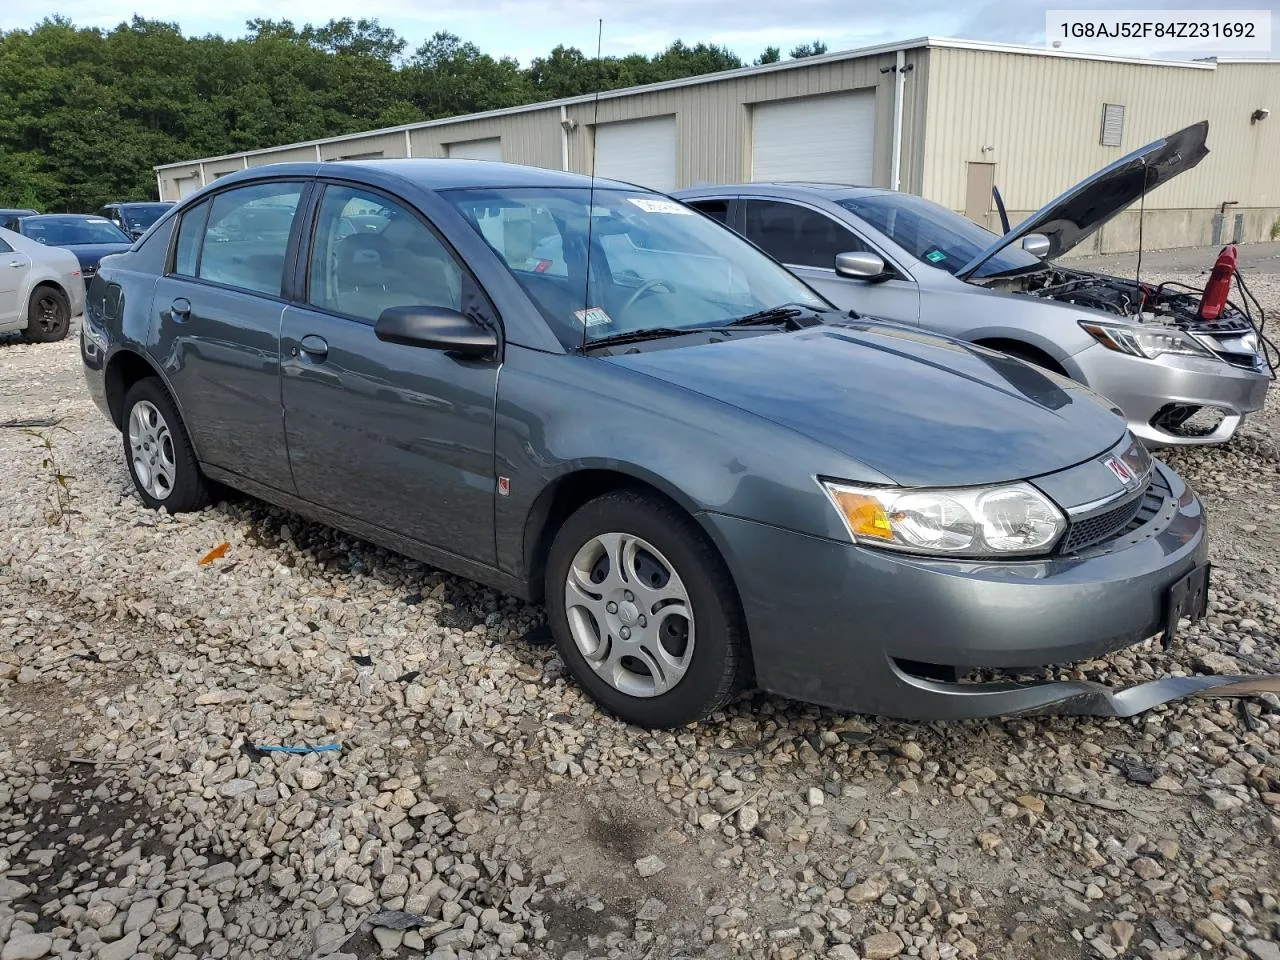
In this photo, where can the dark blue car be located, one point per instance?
(89, 238)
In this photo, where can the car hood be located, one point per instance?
(90, 253)
(921, 410)
(1084, 208)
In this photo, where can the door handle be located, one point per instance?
(16, 263)
(181, 307)
(314, 346)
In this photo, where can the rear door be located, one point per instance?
(396, 436)
(219, 308)
(14, 267)
(807, 240)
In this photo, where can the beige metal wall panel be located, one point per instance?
(1042, 117)
(385, 144)
(283, 155)
(532, 137)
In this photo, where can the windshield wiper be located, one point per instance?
(772, 315)
(639, 336)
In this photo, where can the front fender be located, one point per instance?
(561, 415)
(977, 313)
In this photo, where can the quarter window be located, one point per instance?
(797, 235)
(370, 253)
(247, 235)
(190, 230)
(5, 248)
(715, 209)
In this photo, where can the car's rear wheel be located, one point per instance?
(644, 612)
(48, 315)
(158, 451)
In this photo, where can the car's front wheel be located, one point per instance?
(158, 451)
(48, 315)
(644, 612)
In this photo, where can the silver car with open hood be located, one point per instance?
(1179, 377)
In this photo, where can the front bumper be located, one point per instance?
(850, 627)
(1144, 389)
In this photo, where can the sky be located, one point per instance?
(527, 28)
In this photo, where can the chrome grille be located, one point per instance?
(1095, 529)
(1126, 517)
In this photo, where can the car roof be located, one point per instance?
(796, 188)
(65, 217)
(434, 173)
(17, 212)
(137, 203)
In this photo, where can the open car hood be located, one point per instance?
(1093, 201)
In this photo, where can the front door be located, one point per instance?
(396, 436)
(13, 274)
(980, 181)
(219, 307)
(807, 241)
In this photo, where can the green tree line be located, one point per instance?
(86, 113)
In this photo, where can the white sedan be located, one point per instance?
(40, 288)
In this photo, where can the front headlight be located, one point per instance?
(1144, 342)
(1013, 519)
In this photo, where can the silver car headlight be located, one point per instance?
(1148, 343)
(1012, 519)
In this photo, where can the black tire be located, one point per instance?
(188, 489)
(717, 665)
(48, 315)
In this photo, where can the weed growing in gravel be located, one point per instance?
(58, 481)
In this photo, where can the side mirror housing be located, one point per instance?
(861, 266)
(435, 328)
(1036, 244)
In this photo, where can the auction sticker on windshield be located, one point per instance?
(593, 317)
(658, 205)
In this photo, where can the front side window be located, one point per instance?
(370, 253)
(247, 235)
(933, 234)
(797, 235)
(653, 261)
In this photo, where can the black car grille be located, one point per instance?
(1119, 520)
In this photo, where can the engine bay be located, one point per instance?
(1165, 304)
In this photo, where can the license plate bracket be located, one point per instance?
(1188, 597)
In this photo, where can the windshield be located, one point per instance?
(934, 234)
(141, 216)
(61, 233)
(654, 262)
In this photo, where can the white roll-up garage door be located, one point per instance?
(187, 186)
(638, 151)
(489, 149)
(828, 138)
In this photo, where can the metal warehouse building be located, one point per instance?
(941, 118)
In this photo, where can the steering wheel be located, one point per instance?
(649, 286)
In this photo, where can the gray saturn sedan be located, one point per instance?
(1179, 378)
(711, 477)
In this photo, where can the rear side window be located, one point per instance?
(797, 235)
(187, 252)
(247, 235)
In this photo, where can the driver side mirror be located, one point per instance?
(1036, 244)
(436, 328)
(861, 266)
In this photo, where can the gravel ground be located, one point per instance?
(478, 791)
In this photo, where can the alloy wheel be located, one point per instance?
(151, 446)
(629, 614)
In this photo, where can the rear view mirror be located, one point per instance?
(436, 328)
(860, 266)
(1036, 244)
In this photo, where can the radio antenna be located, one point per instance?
(591, 192)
